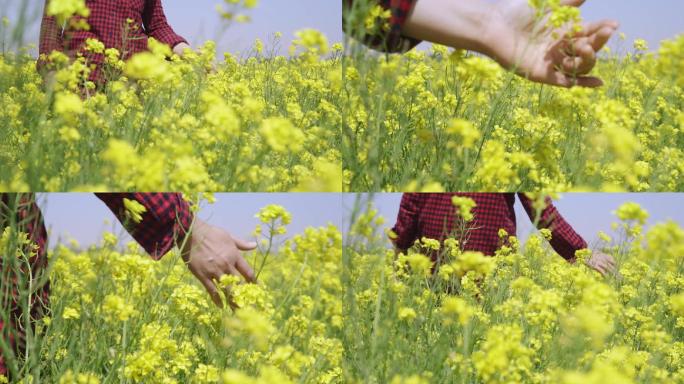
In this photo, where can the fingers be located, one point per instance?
(227, 292)
(573, 3)
(579, 53)
(241, 267)
(213, 291)
(244, 245)
(604, 264)
(581, 64)
(241, 264)
(561, 79)
(600, 38)
(598, 266)
(610, 264)
(213, 288)
(208, 284)
(229, 298)
(601, 269)
(592, 28)
(211, 253)
(594, 35)
(587, 82)
(245, 270)
(570, 71)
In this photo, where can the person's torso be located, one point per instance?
(437, 219)
(116, 23)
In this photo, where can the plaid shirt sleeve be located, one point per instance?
(29, 219)
(156, 25)
(387, 36)
(51, 38)
(564, 239)
(406, 227)
(164, 224)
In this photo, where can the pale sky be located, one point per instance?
(587, 213)
(83, 217)
(198, 20)
(652, 21)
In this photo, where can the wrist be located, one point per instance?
(179, 49)
(489, 30)
(193, 232)
(471, 25)
(496, 39)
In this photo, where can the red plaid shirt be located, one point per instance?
(167, 218)
(433, 215)
(165, 222)
(387, 40)
(108, 22)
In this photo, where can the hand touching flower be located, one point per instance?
(179, 49)
(211, 252)
(543, 53)
(602, 262)
(517, 36)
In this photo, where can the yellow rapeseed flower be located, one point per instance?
(281, 135)
(134, 209)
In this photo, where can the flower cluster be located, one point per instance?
(63, 10)
(116, 315)
(263, 123)
(468, 125)
(229, 11)
(523, 315)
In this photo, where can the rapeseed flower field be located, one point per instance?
(523, 316)
(446, 120)
(259, 122)
(118, 316)
(330, 308)
(337, 305)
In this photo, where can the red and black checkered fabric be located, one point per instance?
(21, 209)
(392, 39)
(109, 24)
(433, 215)
(165, 222)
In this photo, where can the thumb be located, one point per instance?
(244, 245)
(572, 3)
(588, 82)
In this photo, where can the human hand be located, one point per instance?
(601, 262)
(541, 53)
(210, 252)
(510, 33)
(179, 49)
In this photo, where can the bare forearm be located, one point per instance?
(463, 24)
(509, 32)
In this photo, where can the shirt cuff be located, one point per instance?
(387, 36)
(168, 37)
(164, 224)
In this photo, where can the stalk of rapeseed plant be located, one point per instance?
(524, 315)
(442, 119)
(267, 122)
(116, 315)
